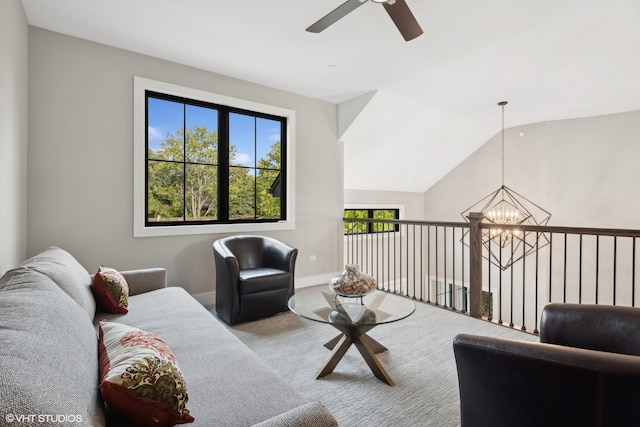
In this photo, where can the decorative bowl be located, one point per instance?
(352, 282)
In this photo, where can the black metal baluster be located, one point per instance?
(421, 263)
(348, 242)
(535, 328)
(444, 276)
(365, 251)
(615, 269)
(633, 272)
(437, 276)
(377, 257)
(353, 244)
(597, 265)
(453, 266)
(415, 253)
(464, 288)
(549, 297)
(580, 273)
(564, 285)
(429, 264)
(396, 258)
(511, 285)
(500, 271)
(406, 263)
(389, 237)
(398, 281)
(524, 263)
(490, 316)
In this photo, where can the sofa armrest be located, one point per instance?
(312, 414)
(609, 328)
(145, 280)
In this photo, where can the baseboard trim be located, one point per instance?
(305, 282)
(208, 299)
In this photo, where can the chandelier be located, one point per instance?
(505, 207)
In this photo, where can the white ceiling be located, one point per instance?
(409, 111)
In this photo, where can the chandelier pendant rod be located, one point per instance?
(502, 104)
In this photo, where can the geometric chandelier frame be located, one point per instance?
(504, 207)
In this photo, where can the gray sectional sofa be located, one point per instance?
(49, 352)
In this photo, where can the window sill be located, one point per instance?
(187, 230)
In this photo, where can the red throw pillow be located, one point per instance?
(140, 378)
(111, 291)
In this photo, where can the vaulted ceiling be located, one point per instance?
(409, 112)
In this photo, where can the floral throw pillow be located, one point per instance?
(111, 291)
(140, 379)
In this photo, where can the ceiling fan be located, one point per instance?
(397, 9)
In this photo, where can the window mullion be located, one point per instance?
(255, 168)
(184, 162)
(283, 169)
(223, 164)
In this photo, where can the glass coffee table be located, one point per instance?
(353, 317)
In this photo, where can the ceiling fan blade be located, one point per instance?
(404, 19)
(334, 16)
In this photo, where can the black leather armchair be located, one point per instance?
(584, 372)
(254, 277)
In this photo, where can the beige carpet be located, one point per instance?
(420, 361)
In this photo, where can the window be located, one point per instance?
(370, 227)
(208, 163)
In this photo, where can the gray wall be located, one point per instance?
(80, 163)
(14, 45)
(584, 171)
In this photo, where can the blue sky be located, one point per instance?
(251, 136)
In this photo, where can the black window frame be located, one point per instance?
(224, 165)
(370, 225)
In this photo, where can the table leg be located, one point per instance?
(375, 345)
(368, 354)
(367, 346)
(337, 354)
(332, 343)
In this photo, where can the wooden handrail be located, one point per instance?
(487, 226)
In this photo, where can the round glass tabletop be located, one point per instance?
(322, 305)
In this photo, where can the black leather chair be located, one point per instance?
(254, 277)
(584, 372)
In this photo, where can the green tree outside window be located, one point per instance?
(370, 227)
(184, 167)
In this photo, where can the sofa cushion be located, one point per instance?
(227, 382)
(66, 272)
(140, 378)
(111, 290)
(48, 352)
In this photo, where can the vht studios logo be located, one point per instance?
(42, 418)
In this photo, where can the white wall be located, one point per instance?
(584, 171)
(14, 44)
(412, 203)
(80, 163)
